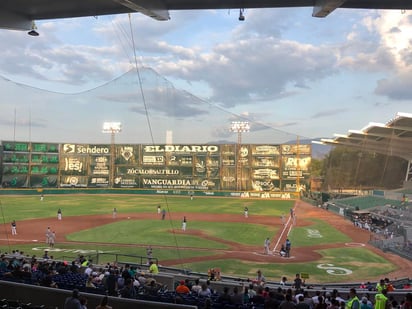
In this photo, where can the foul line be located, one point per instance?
(285, 227)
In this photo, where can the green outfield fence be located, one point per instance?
(241, 194)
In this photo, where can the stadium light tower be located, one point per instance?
(239, 127)
(112, 128)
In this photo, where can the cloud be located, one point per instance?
(328, 113)
(396, 88)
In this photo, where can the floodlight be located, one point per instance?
(112, 127)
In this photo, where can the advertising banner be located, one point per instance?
(74, 165)
(99, 165)
(199, 166)
(265, 150)
(243, 157)
(265, 173)
(295, 149)
(268, 162)
(168, 183)
(179, 160)
(84, 149)
(213, 162)
(228, 155)
(152, 171)
(290, 186)
(127, 155)
(153, 160)
(98, 182)
(265, 185)
(126, 182)
(179, 149)
(293, 167)
(228, 178)
(73, 181)
(179, 183)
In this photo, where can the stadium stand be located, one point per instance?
(387, 214)
(19, 292)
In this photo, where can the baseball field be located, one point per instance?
(325, 247)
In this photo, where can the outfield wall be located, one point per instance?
(211, 167)
(236, 194)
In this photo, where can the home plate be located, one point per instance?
(35, 240)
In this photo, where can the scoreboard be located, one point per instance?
(29, 164)
(179, 167)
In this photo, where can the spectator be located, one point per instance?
(89, 282)
(103, 304)
(205, 291)
(128, 290)
(251, 291)
(258, 299)
(381, 300)
(83, 302)
(365, 303)
(236, 298)
(298, 282)
(111, 284)
(272, 301)
(153, 269)
(408, 301)
(287, 303)
(224, 298)
(196, 287)
(302, 304)
(182, 288)
(73, 302)
(260, 278)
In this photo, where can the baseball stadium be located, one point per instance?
(218, 213)
(147, 166)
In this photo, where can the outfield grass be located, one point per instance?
(131, 237)
(29, 207)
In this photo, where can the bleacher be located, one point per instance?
(24, 293)
(365, 202)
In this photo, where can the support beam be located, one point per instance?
(323, 8)
(11, 21)
(146, 10)
(409, 171)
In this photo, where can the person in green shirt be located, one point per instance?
(380, 285)
(353, 301)
(381, 300)
(153, 269)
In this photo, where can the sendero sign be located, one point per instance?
(85, 149)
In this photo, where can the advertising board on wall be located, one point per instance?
(246, 167)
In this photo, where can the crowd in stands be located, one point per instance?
(131, 282)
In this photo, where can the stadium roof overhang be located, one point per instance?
(393, 138)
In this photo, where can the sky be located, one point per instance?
(290, 75)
